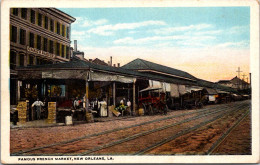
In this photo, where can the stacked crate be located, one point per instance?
(51, 112)
(22, 111)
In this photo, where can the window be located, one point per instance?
(68, 30)
(51, 46)
(21, 60)
(22, 36)
(31, 41)
(39, 39)
(30, 60)
(13, 34)
(24, 13)
(33, 16)
(58, 28)
(12, 60)
(46, 22)
(63, 30)
(57, 49)
(15, 11)
(39, 19)
(45, 43)
(52, 25)
(62, 51)
(67, 52)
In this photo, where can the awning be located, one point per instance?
(219, 91)
(97, 76)
(150, 89)
(211, 91)
(189, 89)
(65, 74)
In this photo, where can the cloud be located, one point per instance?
(179, 38)
(241, 44)
(169, 30)
(110, 29)
(238, 29)
(86, 22)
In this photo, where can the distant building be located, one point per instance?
(37, 36)
(235, 83)
(98, 61)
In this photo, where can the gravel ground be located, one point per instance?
(27, 138)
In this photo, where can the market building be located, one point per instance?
(37, 36)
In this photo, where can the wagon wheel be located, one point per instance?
(165, 110)
(144, 108)
(150, 110)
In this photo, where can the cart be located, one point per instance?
(152, 101)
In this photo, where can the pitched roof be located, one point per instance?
(86, 65)
(140, 64)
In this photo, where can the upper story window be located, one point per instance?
(39, 42)
(68, 32)
(51, 25)
(58, 28)
(31, 40)
(67, 52)
(24, 13)
(45, 43)
(13, 34)
(32, 16)
(39, 19)
(51, 46)
(57, 49)
(15, 11)
(46, 21)
(22, 36)
(62, 51)
(63, 31)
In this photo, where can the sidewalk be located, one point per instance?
(43, 122)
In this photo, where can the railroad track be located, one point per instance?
(216, 145)
(181, 133)
(203, 114)
(118, 129)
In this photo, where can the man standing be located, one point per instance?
(38, 105)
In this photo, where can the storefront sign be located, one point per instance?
(34, 50)
(22, 111)
(51, 112)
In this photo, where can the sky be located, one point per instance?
(208, 42)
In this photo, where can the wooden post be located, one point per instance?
(114, 93)
(134, 107)
(86, 97)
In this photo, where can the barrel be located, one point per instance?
(141, 111)
(68, 120)
(89, 117)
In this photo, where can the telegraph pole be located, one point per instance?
(239, 72)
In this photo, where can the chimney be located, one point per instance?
(75, 45)
(114, 65)
(111, 61)
(118, 65)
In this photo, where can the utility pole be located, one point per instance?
(239, 72)
(238, 77)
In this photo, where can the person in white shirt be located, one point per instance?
(76, 103)
(38, 105)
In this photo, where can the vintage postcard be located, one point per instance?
(129, 81)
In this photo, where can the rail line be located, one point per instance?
(149, 132)
(226, 134)
(118, 129)
(181, 133)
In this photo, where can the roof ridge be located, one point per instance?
(143, 61)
